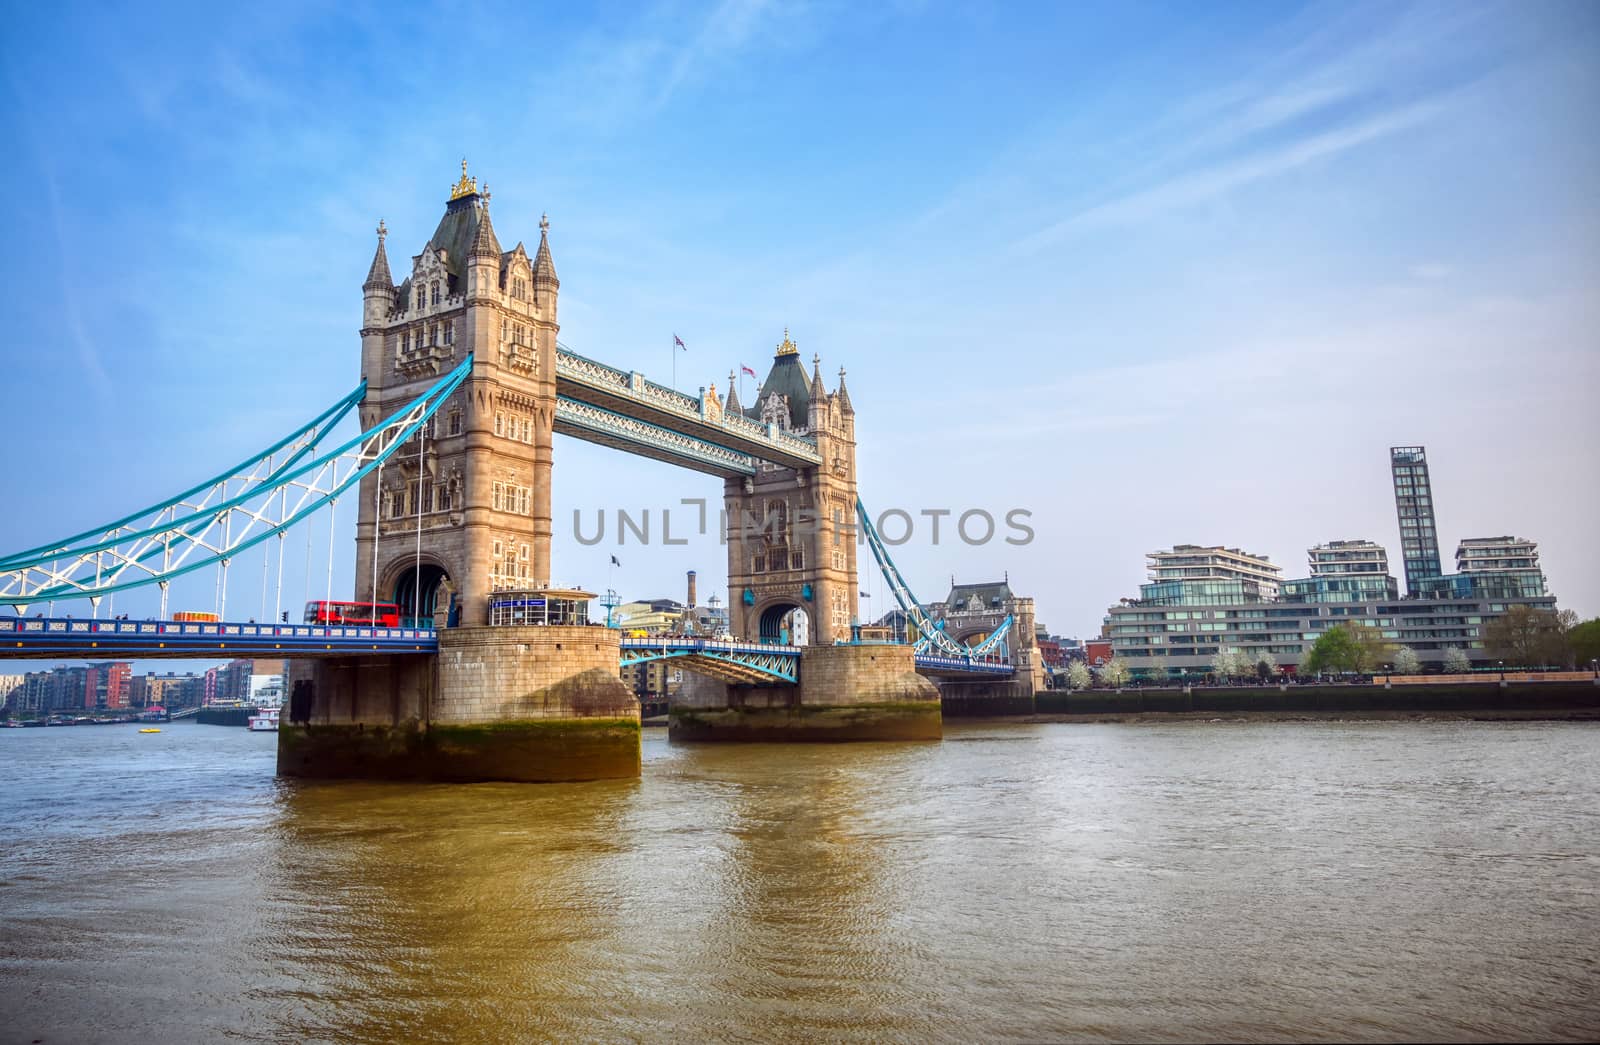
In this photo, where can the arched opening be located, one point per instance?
(786, 623)
(417, 609)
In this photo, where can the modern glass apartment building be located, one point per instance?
(1492, 568)
(1413, 503)
(1349, 580)
(1196, 575)
(1345, 571)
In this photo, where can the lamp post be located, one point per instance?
(1502, 665)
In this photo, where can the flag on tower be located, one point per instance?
(747, 370)
(679, 342)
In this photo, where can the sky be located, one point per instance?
(1155, 273)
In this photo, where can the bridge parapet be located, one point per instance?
(752, 663)
(33, 637)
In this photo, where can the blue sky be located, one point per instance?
(1157, 273)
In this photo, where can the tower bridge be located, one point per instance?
(463, 387)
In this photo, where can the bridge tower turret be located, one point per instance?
(791, 532)
(478, 484)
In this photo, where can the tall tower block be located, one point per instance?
(791, 532)
(1413, 503)
(477, 481)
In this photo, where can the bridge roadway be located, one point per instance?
(41, 638)
(731, 660)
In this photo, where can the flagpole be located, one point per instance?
(674, 347)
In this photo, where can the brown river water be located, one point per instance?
(1188, 881)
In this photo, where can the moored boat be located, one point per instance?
(264, 720)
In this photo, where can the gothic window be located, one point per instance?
(797, 559)
(450, 332)
(499, 424)
(435, 292)
(455, 422)
(505, 330)
(499, 497)
(433, 334)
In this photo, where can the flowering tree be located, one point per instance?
(1456, 662)
(1078, 675)
(1114, 672)
(1228, 662)
(1406, 662)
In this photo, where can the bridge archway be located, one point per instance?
(433, 604)
(787, 623)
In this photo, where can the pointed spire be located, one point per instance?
(732, 406)
(817, 389)
(844, 395)
(378, 277)
(485, 244)
(544, 266)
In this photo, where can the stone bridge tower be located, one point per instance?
(791, 533)
(478, 481)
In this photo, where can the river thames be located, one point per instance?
(1182, 881)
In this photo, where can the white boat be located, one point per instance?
(264, 720)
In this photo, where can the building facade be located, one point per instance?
(1196, 575)
(1413, 504)
(476, 480)
(791, 533)
(1345, 571)
(1165, 639)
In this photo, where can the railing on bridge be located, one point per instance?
(611, 381)
(937, 664)
(727, 659)
(69, 636)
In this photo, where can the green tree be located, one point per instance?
(1334, 650)
(1530, 637)
(1406, 662)
(1350, 646)
(1078, 675)
(1456, 661)
(1585, 641)
(1114, 672)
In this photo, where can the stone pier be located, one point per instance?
(533, 704)
(865, 692)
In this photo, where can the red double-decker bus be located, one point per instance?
(377, 614)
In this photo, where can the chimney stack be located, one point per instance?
(691, 603)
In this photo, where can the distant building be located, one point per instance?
(654, 616)
(1498, 568)
(1349, 581)
(1211, 575)
(1345, 571)
(1413, 503)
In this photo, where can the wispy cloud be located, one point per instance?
(616, 78)
(1190, 190)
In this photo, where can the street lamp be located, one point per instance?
(1502, 666)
